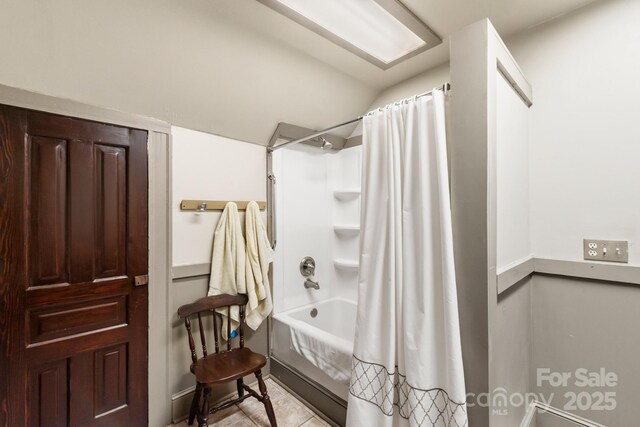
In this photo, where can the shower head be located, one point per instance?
(326, 145)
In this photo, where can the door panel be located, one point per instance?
(49, 323)
(48, 392)
(81, 212)
(110, 388)
(48, 225)
(73, 237)
(110, 192)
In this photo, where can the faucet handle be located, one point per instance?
(307, 266)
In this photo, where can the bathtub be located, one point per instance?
(321, 347)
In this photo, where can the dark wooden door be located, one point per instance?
(73, 238)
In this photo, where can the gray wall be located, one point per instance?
(468, 148)
(478, 58)
(181, 381)
(514, 353)
(591, 324)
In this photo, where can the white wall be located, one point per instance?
(583, 130)
(512, 178)
(192, 63)
(584, 133)
(423, 82)
(210, 167)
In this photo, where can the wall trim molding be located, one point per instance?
(190, 270)
(515, 273)
(628, 274)
(67, 107)
(510, 275)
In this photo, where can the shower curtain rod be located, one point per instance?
(445, 88)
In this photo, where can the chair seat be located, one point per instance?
(227, 366)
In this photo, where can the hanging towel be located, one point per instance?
(228, 263)
(327, 352)
(259, 256)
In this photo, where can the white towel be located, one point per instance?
(228, 262)
(259, 256)
(331, 354)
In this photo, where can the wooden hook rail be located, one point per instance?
(215, 205)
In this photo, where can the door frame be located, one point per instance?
(159, 222)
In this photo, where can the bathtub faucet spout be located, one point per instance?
(311, 284)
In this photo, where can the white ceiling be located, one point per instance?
(444, 16)
(230, 67)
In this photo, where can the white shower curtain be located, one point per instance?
(407, 363)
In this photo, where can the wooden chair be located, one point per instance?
(222, 366)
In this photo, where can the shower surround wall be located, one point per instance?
(302, 215)
(317, 214)
(317, 208)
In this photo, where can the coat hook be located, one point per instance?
(202, 206)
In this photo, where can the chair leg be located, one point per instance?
(195, 404)
(240, 382)
(265, 400)
(204, 415)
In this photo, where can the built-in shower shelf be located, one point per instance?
(346, 264)
(347, 230)
(345, 195)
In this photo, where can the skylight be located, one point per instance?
(381, 31)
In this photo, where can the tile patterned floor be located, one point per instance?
(290, 412)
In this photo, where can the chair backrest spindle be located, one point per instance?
(242, 309)
(203, 342)
(192, 344)
(228, 327)
(215, 330)
(210, 304)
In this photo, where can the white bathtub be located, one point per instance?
(319, 347)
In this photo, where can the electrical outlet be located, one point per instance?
(606, 250)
